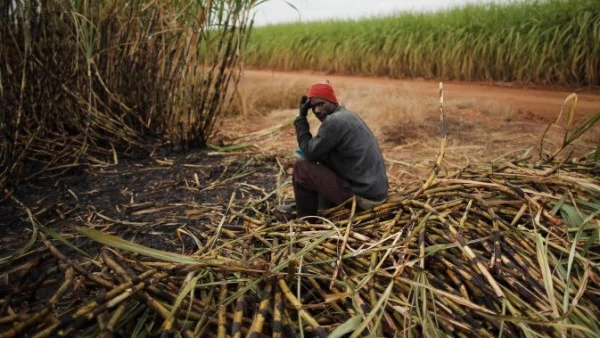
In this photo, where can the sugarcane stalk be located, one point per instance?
(298, 306)
(471, 256)
(77, 268)
(438, 163)
(259, 319)
(69, 273)
(239, 314)
(114, 319)
(113, 297)
(278, 308)
(19, 328)
(338, 264)
(222, 313)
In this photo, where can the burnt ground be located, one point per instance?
(171, 202)
(145, 201)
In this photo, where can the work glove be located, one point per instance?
(304, 105)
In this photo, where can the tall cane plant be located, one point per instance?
(83, 79)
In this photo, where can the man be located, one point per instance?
(341, 161)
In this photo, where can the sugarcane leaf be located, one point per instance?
(120, 243)
(66, 242)
(559, 204)
(348, 326)
(572, 255)
(542, 256)
(315, 243)
(252, 286)
(559, 268)
(191, 285)
(543, 137)
(562, 109)
(592, 237)
(571, 102)
(569, 266)
(554, 323)
(381, 303)
(289, 3)
(582, 129)
(592, 204)
(590, 242)
(590, 217)
(571, 216)
(137, 332)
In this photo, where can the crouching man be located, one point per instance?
(341, 161)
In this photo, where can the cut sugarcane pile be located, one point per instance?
(512, 250)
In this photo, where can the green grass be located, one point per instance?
(542, 42)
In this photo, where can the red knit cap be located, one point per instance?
(322, 90)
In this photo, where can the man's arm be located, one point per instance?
(303, 134)
(316, 148)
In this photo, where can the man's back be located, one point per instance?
(345, 144)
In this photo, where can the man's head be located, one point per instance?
(322, 99)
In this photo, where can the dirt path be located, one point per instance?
(537, 101)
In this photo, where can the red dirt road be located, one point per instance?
(539, 101)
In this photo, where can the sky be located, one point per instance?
(278, 11)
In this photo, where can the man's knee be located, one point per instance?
(301, 168)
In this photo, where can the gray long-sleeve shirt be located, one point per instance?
(346, 145)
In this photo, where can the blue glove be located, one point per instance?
(299, 153)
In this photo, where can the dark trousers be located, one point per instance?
(316, 187)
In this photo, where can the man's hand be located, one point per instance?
(304, 105)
